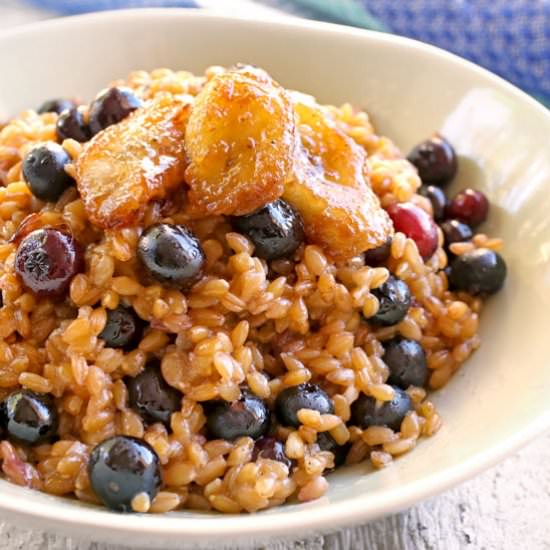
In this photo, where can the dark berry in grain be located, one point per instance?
(406, 360)
(276, 230)
(71, 125)
(366, 411)
(28, 417)
(394, 299)
(272, 449)
(379, 255)
(121, 468)
(151, 397)
(112, 106)
(302, 396)
(249, 416)
(435, 160)
(122, 329)
(44, 171)
(171, 255)
(437, 199)
(481, 271)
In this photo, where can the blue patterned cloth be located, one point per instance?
(84, 6)
(509, 37)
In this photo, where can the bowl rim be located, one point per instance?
(351, 511)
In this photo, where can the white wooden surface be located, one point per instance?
(506, 508)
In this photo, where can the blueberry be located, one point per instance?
(172, 255)
(367, 412)
(112, 106)
(455, 232)
(469, 206)
(303, 396)
(394, 298)
(379, 255)
(29, 417)
(70, 125)
(276, 230)
(435, 160)
(270, 448)
(249, 416)
(44, 171)
(120, 468)
(55, 106)
(152, 397)
(47, 260)
(437, 199)
(326, 443)
(481, 271)
(407, 362)
(122, 329)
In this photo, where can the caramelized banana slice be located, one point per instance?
(330, 187)
(240, 140)
(133, 162)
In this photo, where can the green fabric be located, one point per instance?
(344, 11)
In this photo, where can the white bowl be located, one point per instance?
(499, 400)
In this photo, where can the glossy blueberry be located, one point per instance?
(379, 255)
(120, 468)
(303, 396)
(481, 271)
(47, 260)
(406, 360)
(276, 230)
(29, 417)
(151, 397)
(112, 106)
(249, 416)
(394, 299)
(469, 206)
(437, 199)
(326, 443)
(70, 125)
(270, 448)
(44, 171)
(171, 255)
(415, 224)
(365, 411)
(122, 329)
(455, 232)
(55, 106)
(435, 160)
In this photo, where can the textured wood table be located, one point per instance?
(505, 508)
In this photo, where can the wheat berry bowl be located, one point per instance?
(293, 319)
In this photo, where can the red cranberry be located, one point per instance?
(47, 260)
(415, 224)
(469, 206)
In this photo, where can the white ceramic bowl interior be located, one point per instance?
(499, 400)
